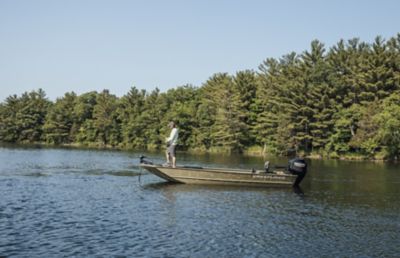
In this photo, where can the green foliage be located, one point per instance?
(183, 104)
(344, 101)
(388, 133)
(22, 118)
(105, 119)
(131, 107)
(60, 120)
(83, 113)
(228, 102)
(344, 128)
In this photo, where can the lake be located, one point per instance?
(69, 202)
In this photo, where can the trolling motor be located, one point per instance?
(298, 166)
(144, 161)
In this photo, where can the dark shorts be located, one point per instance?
(171, 150)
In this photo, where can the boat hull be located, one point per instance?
(213, 176)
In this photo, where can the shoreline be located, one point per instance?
(251, 152)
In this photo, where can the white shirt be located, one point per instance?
(173, 137)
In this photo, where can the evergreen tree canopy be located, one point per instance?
(332, 102)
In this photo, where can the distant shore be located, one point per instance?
(253, 151)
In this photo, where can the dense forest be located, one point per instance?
(341, 102)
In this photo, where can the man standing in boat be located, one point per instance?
(172, 141)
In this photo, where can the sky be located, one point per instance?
(91, 45)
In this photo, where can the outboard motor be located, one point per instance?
(298, 166)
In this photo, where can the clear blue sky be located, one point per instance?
(85, 45)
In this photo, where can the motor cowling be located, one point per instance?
(142, 160)
(298, 166)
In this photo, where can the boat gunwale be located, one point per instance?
(235, 181)
(218, 170)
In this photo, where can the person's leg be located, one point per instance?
(173, 161)
(173, 156)
(167, 156)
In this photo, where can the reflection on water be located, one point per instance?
(60, 202)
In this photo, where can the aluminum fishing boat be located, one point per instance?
(290, 175)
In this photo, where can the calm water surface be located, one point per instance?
(63, 202)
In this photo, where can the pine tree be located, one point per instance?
(23, 117)
(266, 111)
(131, 107)
(388, 123)
(83, 116)
(228, 127)
(105, 118)
(245, 83)
(155, 107)
(9, 131)
(319, 93)
(60, 119)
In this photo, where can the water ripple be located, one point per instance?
(75, 203)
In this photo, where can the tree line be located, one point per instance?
(336, 102)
